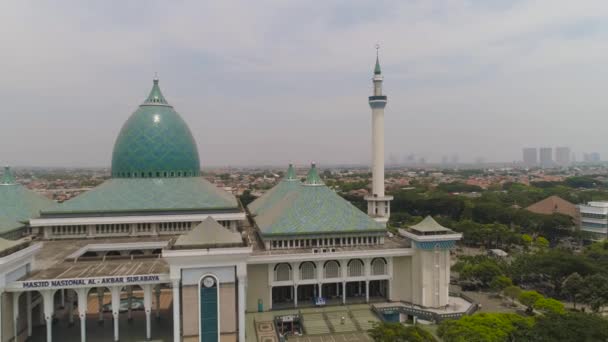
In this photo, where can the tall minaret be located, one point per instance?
(378, 205)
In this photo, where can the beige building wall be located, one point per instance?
(431, 278)
(190, 310)
(257, 287)
(228, 311)
(401, 287)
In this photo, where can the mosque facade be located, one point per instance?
(158, 234)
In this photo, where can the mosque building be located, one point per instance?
(159, 235)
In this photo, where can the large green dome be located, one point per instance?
(155, 142)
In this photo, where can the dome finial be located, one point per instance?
(312, 178)
(8, 178)
(156, 96)
(377, 70)
(291, 173)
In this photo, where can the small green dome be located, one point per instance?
(155, 142)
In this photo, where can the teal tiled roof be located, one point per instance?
(209, 233)
(277, 193)
(18, 204)
(429, 225)
(155, 142)
(313, 210)
(148, 194)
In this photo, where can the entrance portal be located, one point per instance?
(209, 309)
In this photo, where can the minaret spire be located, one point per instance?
(378, 204)
(377, 70)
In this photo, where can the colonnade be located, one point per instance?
(82, 295)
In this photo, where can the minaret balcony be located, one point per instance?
(377, 98)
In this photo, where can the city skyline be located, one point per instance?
(301, 76)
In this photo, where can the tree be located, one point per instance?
(501, 282)
(549, 305)
(572, 326)
(397, 332)
(541, 242)
(553, 265)
(512, 292)
(526, 240)
(483, 327)
(595, 291)
(529, 298)
(247, 197)
(572, 287)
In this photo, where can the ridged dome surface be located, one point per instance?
(155, 142)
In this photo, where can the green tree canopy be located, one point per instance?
(569, 327)
(572, 287)
(549, 305)
(483, 327)
(397, 332)
(529, 298)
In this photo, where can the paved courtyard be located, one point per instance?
(325, 324)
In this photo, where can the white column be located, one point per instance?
(157, 292)
(115, 291)
(344, 292)
(100, 294)
(366, 290)
(70, 307)
(28, 296)
(49, 308)
(176, 312)
(82, 294)
(295, 298)
(16, 314)
(130, 303)
(242, 303)
(1, 302)
(148, 308)
(320, 290)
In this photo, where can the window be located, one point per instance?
(307, 270)
(332, 269)
(355, 268)
(378, 266)
(282, 272)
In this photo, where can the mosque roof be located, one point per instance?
(429, 225)
(148, 194)
(312, 208)
(276, 194)
(209, 233)
(155, 167)
(155, 142)
(17, 203)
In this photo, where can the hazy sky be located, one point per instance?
(269, 82)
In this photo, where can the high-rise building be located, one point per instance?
(562, 156)
(546, 157)
(592, 157)
(530, 157)
(378, 205)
